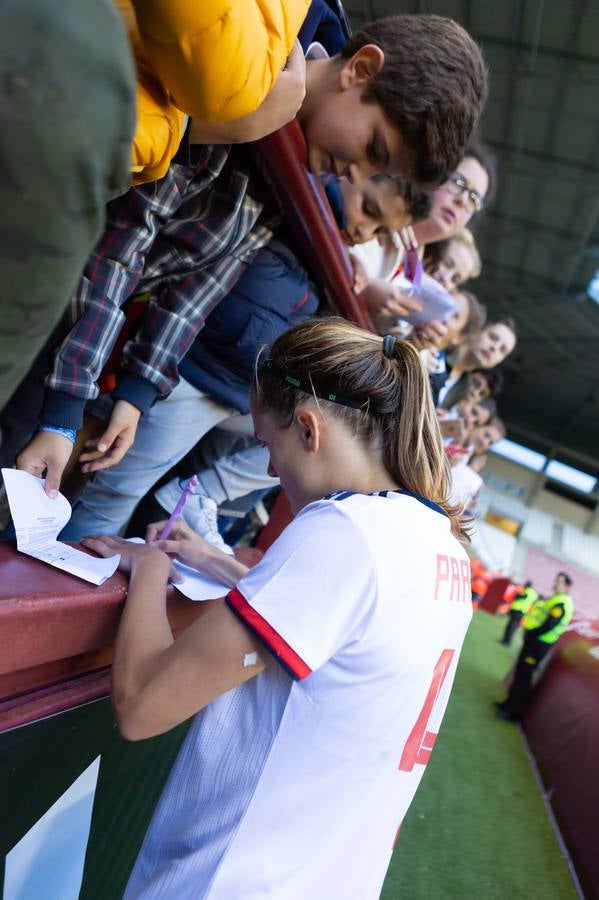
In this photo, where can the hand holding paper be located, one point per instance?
(38, 521)
(436, 304)
(193, 584)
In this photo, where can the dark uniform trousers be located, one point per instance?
(513, 621)
(533, 651)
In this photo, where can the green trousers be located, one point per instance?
(67, 115)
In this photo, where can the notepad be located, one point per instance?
(195, 585)
(38, 521)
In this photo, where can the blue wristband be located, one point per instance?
(69, 433)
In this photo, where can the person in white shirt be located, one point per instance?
(323, 678)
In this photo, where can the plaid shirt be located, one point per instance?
(187, 239)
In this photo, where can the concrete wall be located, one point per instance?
(511, 471)
(561, 508)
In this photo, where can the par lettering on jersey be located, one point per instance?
(452, 579)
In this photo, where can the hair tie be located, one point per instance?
(389, 342)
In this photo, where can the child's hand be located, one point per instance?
(407, 238)
(454, 429)
(360, 276)
(280, 105)
(111, 446)
(278, 108)
(431, 361)
(429, 336)
(283, 102)
(183, 542)
(47, 452)
(384, 299)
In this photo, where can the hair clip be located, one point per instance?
(389, 342)
(308, 387)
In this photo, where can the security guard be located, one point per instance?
(521, 603)
(543, 624)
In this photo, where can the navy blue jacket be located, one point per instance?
(327, 23)
(273, 294)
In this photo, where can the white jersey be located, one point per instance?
(294, 784)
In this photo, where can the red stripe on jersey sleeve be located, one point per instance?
(279, 648)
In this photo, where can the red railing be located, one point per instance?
(562, 728)
(302, 198)
(58, 635)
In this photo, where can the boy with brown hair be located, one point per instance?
(194, 232)
(415, 104)
(431, 84)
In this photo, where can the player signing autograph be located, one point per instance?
(318, 686)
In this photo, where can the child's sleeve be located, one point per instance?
(312, 592)
(95, 314)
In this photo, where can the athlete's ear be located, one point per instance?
(309, 425)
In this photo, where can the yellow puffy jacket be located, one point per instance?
(215, 60)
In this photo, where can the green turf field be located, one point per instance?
(478, 829)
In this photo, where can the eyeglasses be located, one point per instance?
(456, 184)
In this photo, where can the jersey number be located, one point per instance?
(420, 742)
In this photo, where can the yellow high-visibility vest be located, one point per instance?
(541, 611)
(523, 604)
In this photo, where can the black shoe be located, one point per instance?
(503, 713)
(504, 643)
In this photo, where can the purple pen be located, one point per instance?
(413, 267)
(190, 487)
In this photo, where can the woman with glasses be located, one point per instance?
(453, 204)
(461, 197)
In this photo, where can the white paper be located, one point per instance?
(38, 521)
(48, 861)
(195, 585)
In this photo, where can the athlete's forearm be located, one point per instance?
(222, 567)
(144, 632)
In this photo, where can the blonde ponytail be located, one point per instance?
(378, 386)
(414, 452)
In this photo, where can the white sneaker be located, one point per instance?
(200, 512)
